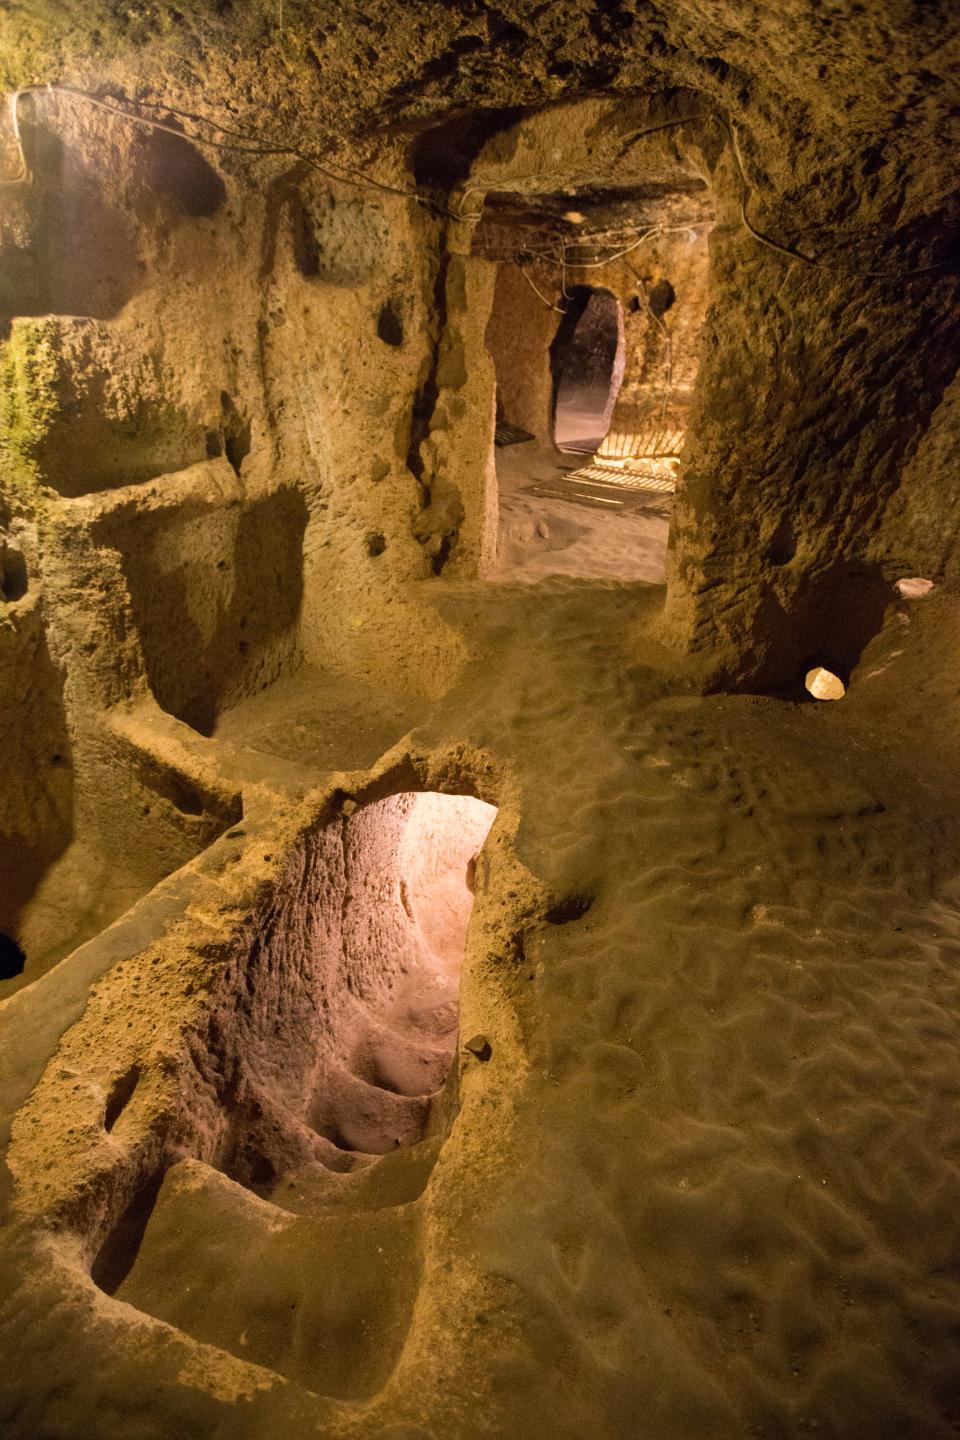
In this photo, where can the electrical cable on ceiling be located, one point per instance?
(563, 265)
(349, 175)
(352, 175)
(558, 257)
(593, 241)
(790, 251)
(549, 304)
(653, 231)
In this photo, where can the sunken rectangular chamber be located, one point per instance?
(318, 1067)
(215, 585)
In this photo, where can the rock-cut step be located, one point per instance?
(324, 1301)
(404, 1064)
(357, 1115)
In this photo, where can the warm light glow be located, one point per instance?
(914, 587)
(440, 844)
(824, 685)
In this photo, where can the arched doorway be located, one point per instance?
(586, 362)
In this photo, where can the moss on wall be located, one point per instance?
(29, 371)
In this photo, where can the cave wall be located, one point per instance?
(168, 306)
(36, 798)
(815, 390)
(518, 336)
(921, 523)
(215, 582)
(657, 393)
(454, 458)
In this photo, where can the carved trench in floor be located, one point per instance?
(281, 1224)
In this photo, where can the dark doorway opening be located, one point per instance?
(587, 363)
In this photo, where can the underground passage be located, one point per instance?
(479, 802)
(596, 351)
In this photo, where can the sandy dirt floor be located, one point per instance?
(579, 422)
(707, 1182)
(541, 535)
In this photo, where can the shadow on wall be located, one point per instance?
(177, 174)
(66, 247)
(441, 156)
(71, 251)
(833, 618)
(108, 419)
(215, 594)
(90, 447)
(36, 808)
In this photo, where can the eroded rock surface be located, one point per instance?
(325, 1108)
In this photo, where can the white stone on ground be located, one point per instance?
(914, 587)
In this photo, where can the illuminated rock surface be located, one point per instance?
(823, 684)
(451, 985)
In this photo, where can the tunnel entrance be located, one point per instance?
(586, 361)
(406, 913)
(352, 1037)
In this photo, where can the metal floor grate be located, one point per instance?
(505, 434)
(594, 486)
(634, 478)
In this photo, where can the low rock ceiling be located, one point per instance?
(602, 209)
(832, 76)
(589, 221)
